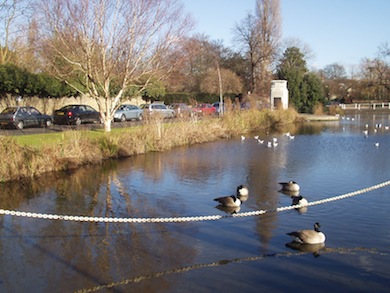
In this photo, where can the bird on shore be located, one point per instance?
(290, 186)
(308, 236)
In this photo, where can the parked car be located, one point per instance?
(218, 108)
(128, 112)
(182, 110)
(205, 109)
(76, 114)
(20, 117)
(160, 108)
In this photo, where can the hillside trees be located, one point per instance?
(108, 49)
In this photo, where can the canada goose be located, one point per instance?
(228, 210)
(229, 201)
(290, 186)
(242, 193)
(299, 200)
(308, 236)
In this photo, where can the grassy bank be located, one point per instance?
(34, 155)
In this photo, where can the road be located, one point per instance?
(61, 128)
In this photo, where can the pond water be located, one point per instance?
(231, 254)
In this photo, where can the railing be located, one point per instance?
(365, 106)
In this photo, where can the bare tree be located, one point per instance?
(304, 48)
(109, 49)
(259, 35)
(10, 11)
(212, 79)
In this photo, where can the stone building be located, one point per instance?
(279, 94)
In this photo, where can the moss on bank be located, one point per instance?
(39, 154)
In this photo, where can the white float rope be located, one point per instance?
(184, 219)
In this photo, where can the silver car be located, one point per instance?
(128, 112)
(160, 109)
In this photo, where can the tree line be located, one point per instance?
(113, 50)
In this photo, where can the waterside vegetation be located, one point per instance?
(34, 155)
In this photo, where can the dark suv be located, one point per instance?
(20, 117)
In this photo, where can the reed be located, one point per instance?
(72, 149)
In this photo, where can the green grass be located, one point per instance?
(44, 139)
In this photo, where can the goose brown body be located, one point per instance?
(308, 236)
(229, 201)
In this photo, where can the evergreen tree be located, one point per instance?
(305, 89)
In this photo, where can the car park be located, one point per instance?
(205, 109)
(128, 112)
(182, 110)
(76, 115)
(159, 109)
(21, 117)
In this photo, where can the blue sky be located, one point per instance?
(337, 31)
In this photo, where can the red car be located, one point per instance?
(205, 109)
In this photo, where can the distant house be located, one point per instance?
(279, 94)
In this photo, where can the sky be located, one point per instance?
(336, 31)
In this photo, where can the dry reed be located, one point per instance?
(156, 134)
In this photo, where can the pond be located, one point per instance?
(223, 254)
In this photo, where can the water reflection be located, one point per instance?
(327, 159)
